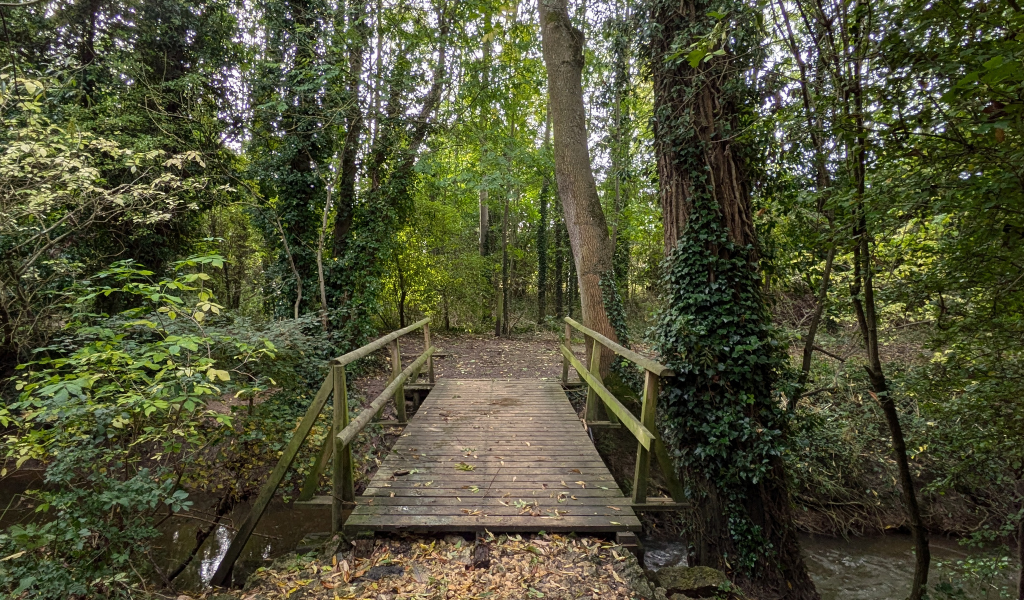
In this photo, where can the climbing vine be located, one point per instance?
(716, 335)
(719, 416)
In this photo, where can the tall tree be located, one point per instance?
(542, 227)
(721, 420)
(584, 218)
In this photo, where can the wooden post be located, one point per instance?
(643, 456)
(668, 469)
(565, 359)
(591, 413)
(313, 479)
(343, 484)
(430, 361)
(396, 366)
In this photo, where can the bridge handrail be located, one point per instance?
(343, 432)
(641, 433)
(640, 360)
(379, 343)
(643, 429)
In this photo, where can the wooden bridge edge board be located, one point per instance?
(266, 494)
(352, 430)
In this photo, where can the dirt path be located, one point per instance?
(531, 356)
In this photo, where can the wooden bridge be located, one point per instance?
(492, 454)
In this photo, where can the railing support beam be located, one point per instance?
(342, 474)
(643, 455)
(223, 572)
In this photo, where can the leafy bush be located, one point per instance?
(114, 410)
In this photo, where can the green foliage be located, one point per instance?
(56, 201)
(115, 409)
(720, 413)
(94, 529)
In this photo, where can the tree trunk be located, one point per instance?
(359, 34)
(718, 420)
(571, 289)
(584, 218)
(542, 233)
(320, 259)
(485, 223)
(559, 263)
(503, 319)
(1020, 540)
(866, 311)
(401, 292)
(291, 263)
(823, 183)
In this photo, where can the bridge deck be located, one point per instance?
(500, 455)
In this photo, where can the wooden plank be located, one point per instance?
(426, 344)
(527, 444)
(361, 522)
(505, 489)
(381, 510)
(590, 479)
(312, 481)
(567, 340)
(470, 499)
(378, 343)
(221, 575)
(604, 425)
(508, 481)
(399, 395)
(675, 488)
(641, 433)
(639, 359)
(591, 412)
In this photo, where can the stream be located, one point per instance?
(876, 567)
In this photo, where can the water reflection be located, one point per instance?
(279, 532)
(877, 567)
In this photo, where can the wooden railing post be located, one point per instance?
(396, 367)
(649, 406)
(343, 484)
(591, 413)
(430, 361)
(565, 360)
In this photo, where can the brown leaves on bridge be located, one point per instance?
(536, 566)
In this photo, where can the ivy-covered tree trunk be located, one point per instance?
(358, 35)
(584, 218)
(720, 418)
